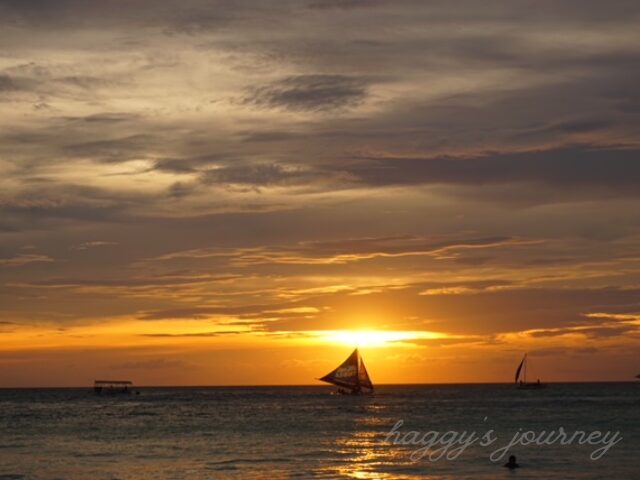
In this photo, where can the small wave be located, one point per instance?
(220, 468)
(143, 414)
(92, 455)
(250, 460)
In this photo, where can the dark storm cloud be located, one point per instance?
(310, 93)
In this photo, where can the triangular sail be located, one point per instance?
(363, 375)
(350, 374)
(520, 367)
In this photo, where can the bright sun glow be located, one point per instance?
(374, 338)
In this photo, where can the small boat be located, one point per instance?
(351, 376)
(522, 382)
(112, 387)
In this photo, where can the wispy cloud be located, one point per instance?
(311, 93)
(94, 244)
(24, 259)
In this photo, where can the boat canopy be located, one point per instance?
(112, 386)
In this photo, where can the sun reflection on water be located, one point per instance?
(365, 454)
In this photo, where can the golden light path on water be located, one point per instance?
(366, 454)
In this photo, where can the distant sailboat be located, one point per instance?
(522, 382)
(351, 376)
(638, 376)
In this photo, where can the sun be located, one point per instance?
(374, 338)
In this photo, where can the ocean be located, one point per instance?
(305, 432)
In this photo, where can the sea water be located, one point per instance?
(305, 432)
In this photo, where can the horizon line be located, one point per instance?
(90, 386)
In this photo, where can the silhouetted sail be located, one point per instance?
(520, 367)
(351, 374)
(638, 376)
(363, 375)
(522, 382)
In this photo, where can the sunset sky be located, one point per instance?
(203, 193)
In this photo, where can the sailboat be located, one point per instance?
(351, 376)
(522, 382)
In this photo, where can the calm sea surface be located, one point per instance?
(304, 432)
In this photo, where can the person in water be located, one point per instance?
(511, 464)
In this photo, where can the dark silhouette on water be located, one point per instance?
(113, 387)
(512, 463)
(351, 376)
(522, 383)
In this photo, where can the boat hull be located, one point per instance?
(531, 386)
(353, 393)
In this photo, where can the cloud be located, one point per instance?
(94, 244)
(7, 84)
(153, 363)
(45, 202)
(25, 259)
(572, 168)
(216, 333)
(324, 253)
(185, 286)
(593, 332)
(259, 175)
(315, 93)
(600, 326)
(112, 150)
(347, 251)
(190, 165)
(344, 4)
(301, 166)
